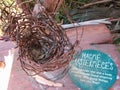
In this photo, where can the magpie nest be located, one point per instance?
(43, 44)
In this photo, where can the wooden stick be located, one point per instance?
(94, 3)
(44, 81)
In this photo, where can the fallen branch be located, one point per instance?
(91, 22)
(94, 3)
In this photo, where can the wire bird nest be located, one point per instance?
(43, 45)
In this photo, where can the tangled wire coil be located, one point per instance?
(43, 45)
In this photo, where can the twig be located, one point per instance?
(24, 2)
(58, 5)
(94, 3)
(114, 19)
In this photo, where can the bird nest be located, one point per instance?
(43, 44)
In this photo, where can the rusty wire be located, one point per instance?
(43, 45)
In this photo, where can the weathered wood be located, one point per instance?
(52, 5)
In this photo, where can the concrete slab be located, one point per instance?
(91, 34)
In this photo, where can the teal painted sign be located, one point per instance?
(92, 70)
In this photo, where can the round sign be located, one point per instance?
(92, 70)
